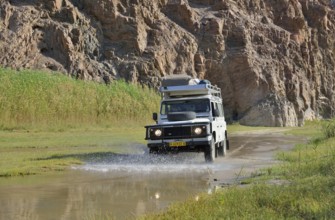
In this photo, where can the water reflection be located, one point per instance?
(103, 188)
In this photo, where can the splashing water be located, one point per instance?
(148, 164)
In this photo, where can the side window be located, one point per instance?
(220, 107)
(217, 107)
(213, 108)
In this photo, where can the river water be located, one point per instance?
(128, 185)
(124, 187)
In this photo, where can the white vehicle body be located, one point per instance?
(191, 118)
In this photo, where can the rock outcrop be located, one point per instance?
(274, 60)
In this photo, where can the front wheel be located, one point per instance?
(210, 152)
(153, 151)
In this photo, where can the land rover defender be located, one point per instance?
(191, 119)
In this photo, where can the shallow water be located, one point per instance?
(123, 187)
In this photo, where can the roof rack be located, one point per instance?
(190, 90)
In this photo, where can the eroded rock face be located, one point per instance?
(274, 60)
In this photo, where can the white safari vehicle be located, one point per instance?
(191, 119)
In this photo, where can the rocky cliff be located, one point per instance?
(273, 59)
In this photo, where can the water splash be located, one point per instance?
(148, 164)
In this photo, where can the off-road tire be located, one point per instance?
(210, 152)
(227, 141)
(153, 151)
(222, 150)
(158, 151)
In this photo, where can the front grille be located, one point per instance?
(177, 132)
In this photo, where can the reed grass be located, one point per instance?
(38, 99)
(49, 121)
(328, 129)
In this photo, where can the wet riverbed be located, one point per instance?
(129, 185)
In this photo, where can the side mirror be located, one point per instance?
(154, 116)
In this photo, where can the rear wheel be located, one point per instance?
(222, 150)
(226, 140)
(210, 152)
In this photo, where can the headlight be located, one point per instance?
(158, 132)
(197, 130)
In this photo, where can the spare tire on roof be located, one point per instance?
(181, 116)
(204, 81)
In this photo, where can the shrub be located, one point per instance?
(328, 128)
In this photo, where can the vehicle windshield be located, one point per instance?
(195, 105)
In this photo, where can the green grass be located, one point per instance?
(35, 152)
(49, 121)
(311, 129)
(305, 189)
(237, 128)
(33, 99)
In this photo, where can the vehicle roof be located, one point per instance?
(190, 90)
(210, 97)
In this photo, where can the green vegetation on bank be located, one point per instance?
(302, 187)
(25, 152)
(33, 99)
(237, 128)
(49, 121)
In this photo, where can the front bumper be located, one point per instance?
(191, 145)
